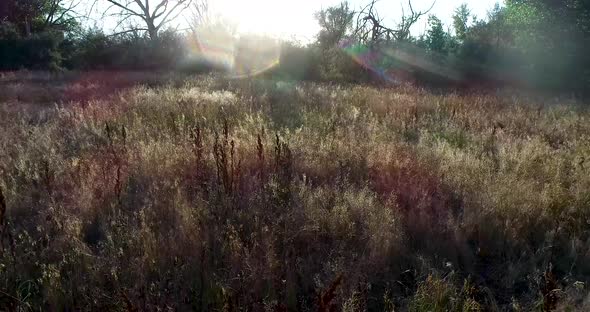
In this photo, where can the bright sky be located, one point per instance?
(294, 18)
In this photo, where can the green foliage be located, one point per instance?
(554, 38)
(333, 62)
(335, 24)
(461, 21)
(38, 16)
(436, 37)
(541, 44)
(32, 34)
(337, 65)
(298, 63)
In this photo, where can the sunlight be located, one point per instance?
(240, 56)
(213, 46)
(285, 19)
(253, 47)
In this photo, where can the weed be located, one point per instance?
(248, 194)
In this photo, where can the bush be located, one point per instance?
(92, 50)
(8, 31)
(95, 50)
(39, 51)
(297, 63)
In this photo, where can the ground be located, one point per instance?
(158, 191)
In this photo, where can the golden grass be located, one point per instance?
(203, 193)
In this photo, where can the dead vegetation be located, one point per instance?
(214, 194)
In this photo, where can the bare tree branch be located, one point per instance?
(163, 5)
(370, 28)
(123, 7)
(180, 3)
(199, 15)
(127, 31)
(61, 13)
(163, 12)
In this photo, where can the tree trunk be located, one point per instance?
(27, 27)
(152, 30)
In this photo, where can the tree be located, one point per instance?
(370, 28)
(34, 16)
(22, 14)
(153, 14)
(436, 37)
(335, 22)
(61, 15)
(554, 37)
(461, 20)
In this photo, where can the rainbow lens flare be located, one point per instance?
(246, 56)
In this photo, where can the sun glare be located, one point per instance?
(251, 44)
(284, 19)
(240, 55)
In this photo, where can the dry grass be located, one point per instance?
(178, 193)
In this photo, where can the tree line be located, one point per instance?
(543, 44)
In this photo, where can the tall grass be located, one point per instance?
(202, 193)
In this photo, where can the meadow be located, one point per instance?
(130, 191)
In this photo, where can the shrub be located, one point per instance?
(297, 63)
(95, 50)
(39, 51)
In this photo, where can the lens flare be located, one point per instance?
(419, 60)
(246, 56)
(213, 47)
(370, 59)
(254, 56)
(388, 63)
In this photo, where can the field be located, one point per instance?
(157, 192)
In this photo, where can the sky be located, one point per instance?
(295, 19)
